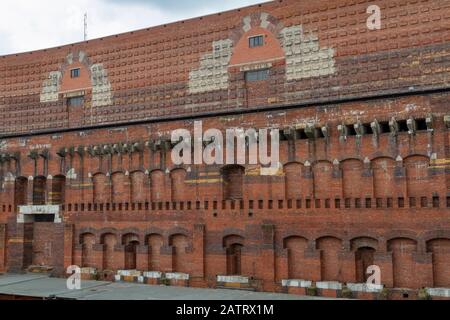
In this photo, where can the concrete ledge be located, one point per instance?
(364, 287)
(233, 279)
(439, 292)
(88, 270)
(298, 283)
(329, 285)
(152, 274)
(177, 276)
(129, 273)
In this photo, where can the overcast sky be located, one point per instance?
(27, 25)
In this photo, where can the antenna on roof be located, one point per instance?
(85, 26)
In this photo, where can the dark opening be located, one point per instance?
(44, 218)
(402, 126)
(367, 128)
(319, 133)
(384, 127)
(421, 125)
(300, 134)
(351, 130)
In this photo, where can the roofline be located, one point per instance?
(134, 32)
(267, 108)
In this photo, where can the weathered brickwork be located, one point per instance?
(364, 174)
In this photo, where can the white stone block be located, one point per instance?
(298, 283)
(177, 276)
(364, 287)
(88, 270)
(129, 273)
(232, 279)
(152, 274)
(439, 292)
(332, 285)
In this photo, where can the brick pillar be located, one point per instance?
(282, 266)
(384, 261)
(9, 193)
(97, 250)
(348, 266)
(267, 270)
(30, 190)
(312, 256)
(167, 187)
(142, 258)
(48, 190)
(400, 179)
(119, 257)
(15, 245)
(423, 273)
(166, 258)
(2, 247)
(77, 252)
(198, 255)
(68, 245)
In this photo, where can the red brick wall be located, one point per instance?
(298, 203)
(336, 193)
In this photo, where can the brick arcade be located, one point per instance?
(364, 176)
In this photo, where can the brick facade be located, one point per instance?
(364, 176)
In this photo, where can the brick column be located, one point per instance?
(267, 270)
(423, 273)
(15, 245)
(348, 266)
(68, 245)
(97, 250)
(166, 258)
(2, 247)
(312, 255)
(400, 179)
(198, 255)
(119, 257)
(384, 261)
(48, 190)
(282, 271)
(30, 190)
(77, 252)
(142, 258)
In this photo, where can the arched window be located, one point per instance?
(233, 245)
(131, 242)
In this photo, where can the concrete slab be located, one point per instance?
(44, 286)
(39, 286)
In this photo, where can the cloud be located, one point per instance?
(30, 25)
